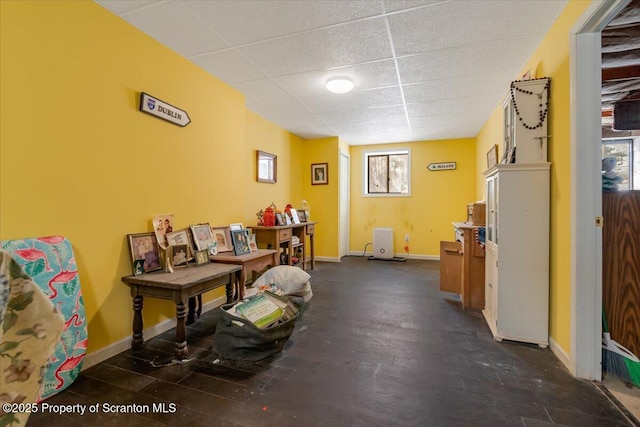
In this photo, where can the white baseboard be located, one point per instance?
(153, 331)
(561, 355)
(399, 255)
(327, 259)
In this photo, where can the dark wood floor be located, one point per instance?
(378, 345)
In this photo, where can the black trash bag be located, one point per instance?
(237, 338)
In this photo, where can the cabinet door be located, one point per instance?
(491, 284)
(451, 267)
(492, 210)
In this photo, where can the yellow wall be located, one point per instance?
(551, 59)
(437, 197)
(78, 159)
(323, 199)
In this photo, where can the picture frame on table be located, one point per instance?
(222, 236)
(178, 255)
(280, 219)
(240, 241)
(202, 236)
(202, 257)
(236, 226)
(294, 216)
(145, 253)
(492, 156)
(181, 237)
(319, 173)
(253, 246)
(302, 214)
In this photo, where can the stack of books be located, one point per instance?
(266, 310)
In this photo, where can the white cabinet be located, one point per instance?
(517, 258)
(525, 121)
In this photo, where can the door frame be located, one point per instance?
(346, 200)
(586, 187)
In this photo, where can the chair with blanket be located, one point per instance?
(50, 263)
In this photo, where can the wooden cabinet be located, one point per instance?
(462, 267)
(282, 239)
(621, 266)
(517, 257)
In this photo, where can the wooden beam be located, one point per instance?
(620, 73)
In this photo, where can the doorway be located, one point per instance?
(343, 219)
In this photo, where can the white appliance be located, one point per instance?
(383, 243)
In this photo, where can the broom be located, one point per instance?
(618, 360)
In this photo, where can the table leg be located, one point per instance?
(181, 331)
(242, 280)
(312, 252)
(233, 278)
(191, 316)
(137, 339)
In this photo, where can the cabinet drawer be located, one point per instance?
(310, 228)
(285, 235)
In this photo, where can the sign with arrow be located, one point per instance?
(158, 108)
(441, 166)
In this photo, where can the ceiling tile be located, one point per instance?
(373, 127)
(261, 91)
(458, 23)
(229, 66)
(364, 115)
(489, 57)
(365, 76)
(321, 49)
(188, 35)
(241, 22)
(484, 85)
(451, 105)
(123, 6)
(280, 111)
(395, 5)
(383, 97)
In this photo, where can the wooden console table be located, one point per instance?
(178, 286)
(251, 262)
(280, 238)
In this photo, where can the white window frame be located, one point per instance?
(365, 172)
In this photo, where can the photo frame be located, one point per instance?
(253, 246)
(294, 216)
(178, 255)
(302, 214)
(145, 253)
(222, 236)
(240, 241)
(319, 173)
(492, 156)
(236, 226)
(182, 237)
(202, 236)
(266, 167)
(202, 257)
(162, 224)
(280, 219)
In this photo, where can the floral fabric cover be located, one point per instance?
(30, 328)
(50, 263)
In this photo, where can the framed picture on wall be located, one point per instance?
(492, 156)
(319, 173)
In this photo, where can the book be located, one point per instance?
(260, 311)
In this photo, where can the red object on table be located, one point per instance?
(269, 217)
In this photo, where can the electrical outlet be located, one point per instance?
(406, 237)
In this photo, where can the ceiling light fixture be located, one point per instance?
(339, 85)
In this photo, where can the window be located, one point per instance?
(387, 172)
(627, 153)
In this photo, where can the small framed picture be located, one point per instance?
(492, 156)
(178, 255)
(280, 219)
(240, 241)
(181, 237)
(287, 219)
(319, 173)
(222, 236)
(201, 236)
(294, 216)
(202, 257)
(236, 226)
(253, 246)
(162, 224)
(302, 215)
(145, 253)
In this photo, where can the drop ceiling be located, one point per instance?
(423, 70)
